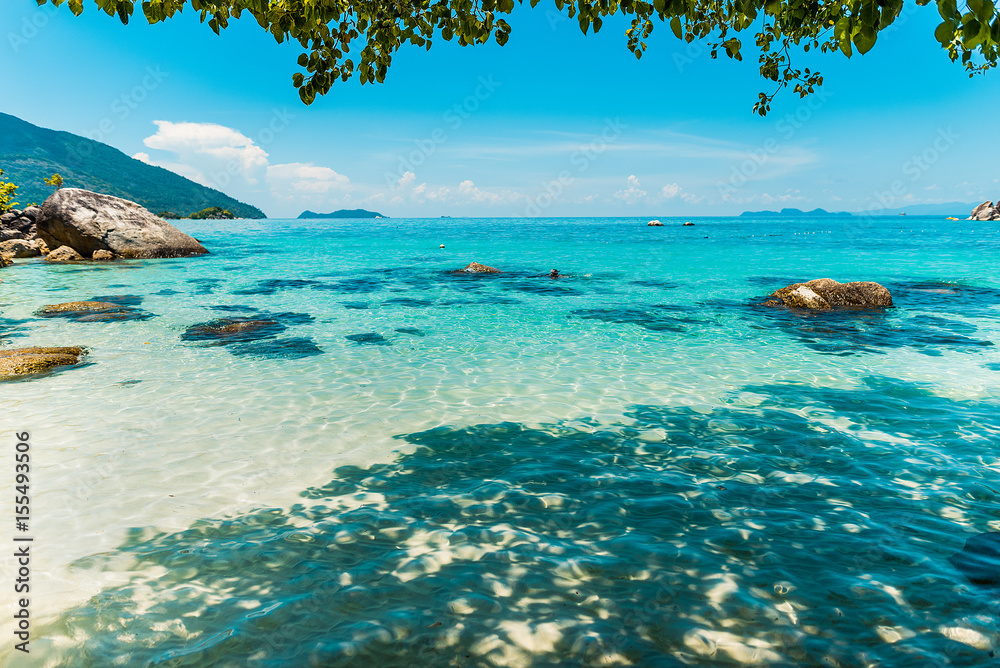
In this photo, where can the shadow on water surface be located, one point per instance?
(742, 534)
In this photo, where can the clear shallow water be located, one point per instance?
(633, 465)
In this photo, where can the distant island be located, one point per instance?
(211, 213)
(342, 213)
(29, 154)
(797, 213)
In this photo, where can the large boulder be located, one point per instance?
(88, 222)
(826, 293)
(18, 362)
(986, 211)
(19, 248)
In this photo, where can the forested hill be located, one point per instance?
(29, 154)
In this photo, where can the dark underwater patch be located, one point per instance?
(369, 338)
(653, 283)
(545, 286)
(409, 302)
(291, 348)
(656, 318)
(360, 306)
(352, 285)
(166, 292)
(852, 331)
(11, 328)
(273, 285)
(412, 331)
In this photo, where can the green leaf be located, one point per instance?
(675, 25)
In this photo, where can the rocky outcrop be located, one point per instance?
(986, 211)
(102, 255)
(88, 222)
(826, 293)
(476, 268)
(654, 223)
(5, 261)
(688, 224)
(63, 254)
(18, 362)
(16, 224)
(20, 248)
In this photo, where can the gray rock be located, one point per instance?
(18, 248)
(7, 234)
(7, 218)
(63, 254)
(31, 213)
(984, 211)
(88, 222)
(826, 293)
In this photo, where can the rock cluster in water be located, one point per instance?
(18, 362)
(826, 293)
(103, 227)
(985, 211)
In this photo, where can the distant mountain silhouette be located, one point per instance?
(342, 213)
(815, 213)
(29, 154)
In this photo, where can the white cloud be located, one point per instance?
(674, 190)
(633, 193)
(209, 144)
(187, 171)
(300, 177)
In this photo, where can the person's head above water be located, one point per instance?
(554, 273)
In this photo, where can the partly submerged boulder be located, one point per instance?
(476, 268)
(63, 254)
(654, 223)
(18, 362)
(88, 222)
(826, 293)
(5, 261)
(75, 307)
(20, 248)
(93, 311)
(102, 255)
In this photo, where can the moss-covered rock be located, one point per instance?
(826, 293)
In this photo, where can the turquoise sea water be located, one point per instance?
(635, 464)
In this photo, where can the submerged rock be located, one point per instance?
(826, 293)
(20, 248)
(223, 331)
(63, 254)
(476, 268)
(92, 311)
(979, 560)
(89, 222)
(19, 362)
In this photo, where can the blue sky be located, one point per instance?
(555, 123)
